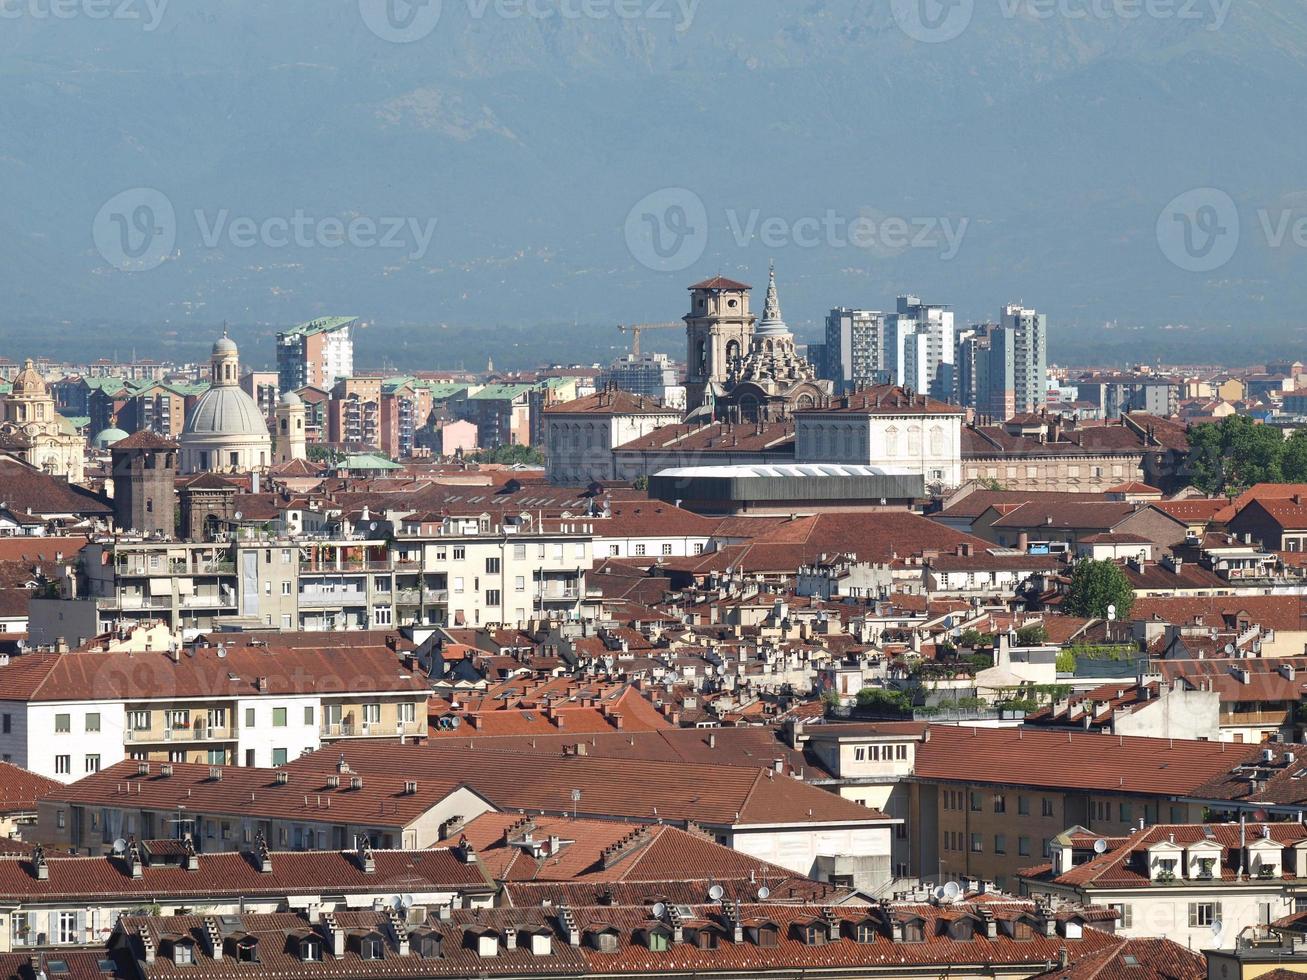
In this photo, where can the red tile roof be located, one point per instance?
(1071, 760)
(20, 789)
(622, 788)
(720, 282)
(233, 874)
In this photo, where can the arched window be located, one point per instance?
(937, 440)
(914, 440)
(892, 441)
(732, 351)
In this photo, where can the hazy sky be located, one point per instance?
(171, 163)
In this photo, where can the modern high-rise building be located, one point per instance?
(1030, 355)
(920, 347)
(652, 375)
(317, 353)
(855, 349)
(1002, 368)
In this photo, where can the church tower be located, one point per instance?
(291, 436)
(144, 469)
(718, 331)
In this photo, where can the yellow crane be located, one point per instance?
(637, 328)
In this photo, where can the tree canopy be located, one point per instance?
(1095, 585)
(1229, 456)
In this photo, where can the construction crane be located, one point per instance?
(637, 328)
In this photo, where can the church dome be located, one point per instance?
(225, 410)
(291, 400)
(29, 381)
(224, 345)
(107, 437)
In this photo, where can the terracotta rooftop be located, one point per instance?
(1071, 760)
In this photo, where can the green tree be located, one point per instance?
(510, 456)
(1231, 455)
(879, 700)
(1033, 635)
(1095, 585)
(1293, 458)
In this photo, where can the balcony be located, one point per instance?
(318, 600)
(350, 729)
(199, 733)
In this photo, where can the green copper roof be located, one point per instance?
(324, 324)
(368, 461)
(497, 392)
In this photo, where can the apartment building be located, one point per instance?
(1202, 885)
(989, 802)
(237, 700)
(323, 806)
(354, 412)
(65, 902)
(317, 353)
(855, 349)
(474, 571)
(582, 434)
(501, 413)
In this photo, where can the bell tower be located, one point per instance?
(291, 436)
(718, 331)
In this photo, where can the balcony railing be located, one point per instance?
(199, 733)
(350, 729)
(324, 599)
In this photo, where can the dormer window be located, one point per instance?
(1021, 930)
(813, 935)
(914, 931)
(183, 952)
(244, 949)
(372, 947)
(658, 940)
(427, 946)
(1166, 869)
(962, 930)
(605, 942)
(865, 932)
(1205, 866)
(311, 949)
(706, 939)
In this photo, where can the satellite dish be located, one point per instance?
(939, 892)
(716, 892)
(409, 901)
(659, 910)
(1229, 649)
(372, 526)
(1100, 846)
(222, 651)
(1217, 926)
(1111, 612)
(454, 721)
(397, 902)
(764, 893)
(120, 847)
(952, 890)
(238, 515)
